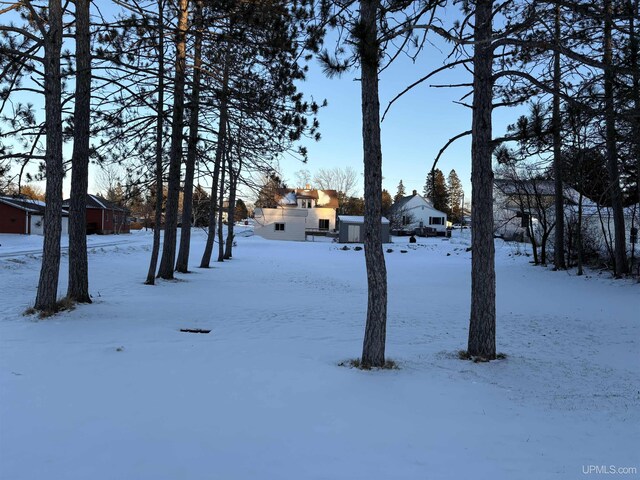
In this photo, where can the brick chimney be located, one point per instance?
(415, 192)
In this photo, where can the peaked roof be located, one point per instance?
(542, 188)
(96, 201)
(400, 204)
(27, 204)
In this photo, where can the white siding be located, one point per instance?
(422, 211)
(314, 215)
(294, 221)
(37, 225)
(37, 222)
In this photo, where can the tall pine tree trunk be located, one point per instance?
(482, 325)
(220, 149)
(579, 236)
(634, 46)
(558, 248)
(182, 264)
(620, 247)
(153, 263)
(167, 261)
(231, 211)
(221, 208)
(373, 349)
(78, 288)
(46, 297)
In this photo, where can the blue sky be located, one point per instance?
(413, 132)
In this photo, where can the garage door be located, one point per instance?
(353, 233)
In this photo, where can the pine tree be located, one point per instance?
(167, 260)
(436, 191)
(401, 192)
(456, 196)
(78, 287)
(387, 201)
(241, 210)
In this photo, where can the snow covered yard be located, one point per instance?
(115, 390)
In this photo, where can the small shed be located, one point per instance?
(351, 229)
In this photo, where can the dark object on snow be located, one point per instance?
(345, 248)
(468, 249)
(389, 250)
(357, 249)
(448, 254)
(194, 330)
(403, 251)
(412, 238)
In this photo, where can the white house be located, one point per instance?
(521, 204)
(297, 213)
(414, 211)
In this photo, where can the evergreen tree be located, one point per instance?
(241, 210)
(267, 194)
(456, 196)
(436, 191)
(401, 192)
(387, 201)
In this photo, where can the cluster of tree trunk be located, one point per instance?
(231, 80)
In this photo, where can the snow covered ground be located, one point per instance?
(114, 390)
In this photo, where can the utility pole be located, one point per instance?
(462, 211)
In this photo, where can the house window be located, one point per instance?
(405, 220)
(324, 224)
(279, 227)
(436, 220)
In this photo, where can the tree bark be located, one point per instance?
(373, 349)
(620, 247)
(153, 263)
(182, 264)
(221, 209)
(46, 297)
(482, 325)
(220, 149)
(231, 211)
(558, 254)
(78, 289)
(634, 46)
(579, 236)
(167, 261)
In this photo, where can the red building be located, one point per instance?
(25, 216)
(104, 217)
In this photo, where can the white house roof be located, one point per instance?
(358, 219)
(413, 201)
